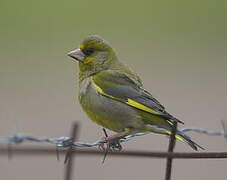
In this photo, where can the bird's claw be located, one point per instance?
(110, 144)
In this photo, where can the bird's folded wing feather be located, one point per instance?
(121, 87)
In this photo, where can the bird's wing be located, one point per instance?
(119, 86)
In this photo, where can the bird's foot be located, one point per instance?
(112, 143)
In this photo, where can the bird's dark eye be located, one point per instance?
(88, 51)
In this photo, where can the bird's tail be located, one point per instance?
(186, 139)
(181, 136)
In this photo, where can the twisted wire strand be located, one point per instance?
(67, 141)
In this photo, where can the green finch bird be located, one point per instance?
(113, 96)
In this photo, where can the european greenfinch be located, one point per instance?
(113, 96)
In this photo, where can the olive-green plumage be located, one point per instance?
(113, 96)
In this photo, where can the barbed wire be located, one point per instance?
(67, 141)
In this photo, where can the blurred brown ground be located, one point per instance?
(178, 48)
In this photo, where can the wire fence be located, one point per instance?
(65, 141)
(69, 147)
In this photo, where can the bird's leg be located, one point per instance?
(113, 141)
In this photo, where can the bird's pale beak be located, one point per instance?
(77, 54)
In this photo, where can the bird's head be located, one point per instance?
(94, 54)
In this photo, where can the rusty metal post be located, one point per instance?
(169, 161)
(69, 157)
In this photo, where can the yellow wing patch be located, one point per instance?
(129, 101)
(100, 90)
(140, 106)
(176, 136)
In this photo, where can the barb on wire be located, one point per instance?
(106, 150)
(67, 141)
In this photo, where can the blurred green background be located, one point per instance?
(179, 48)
